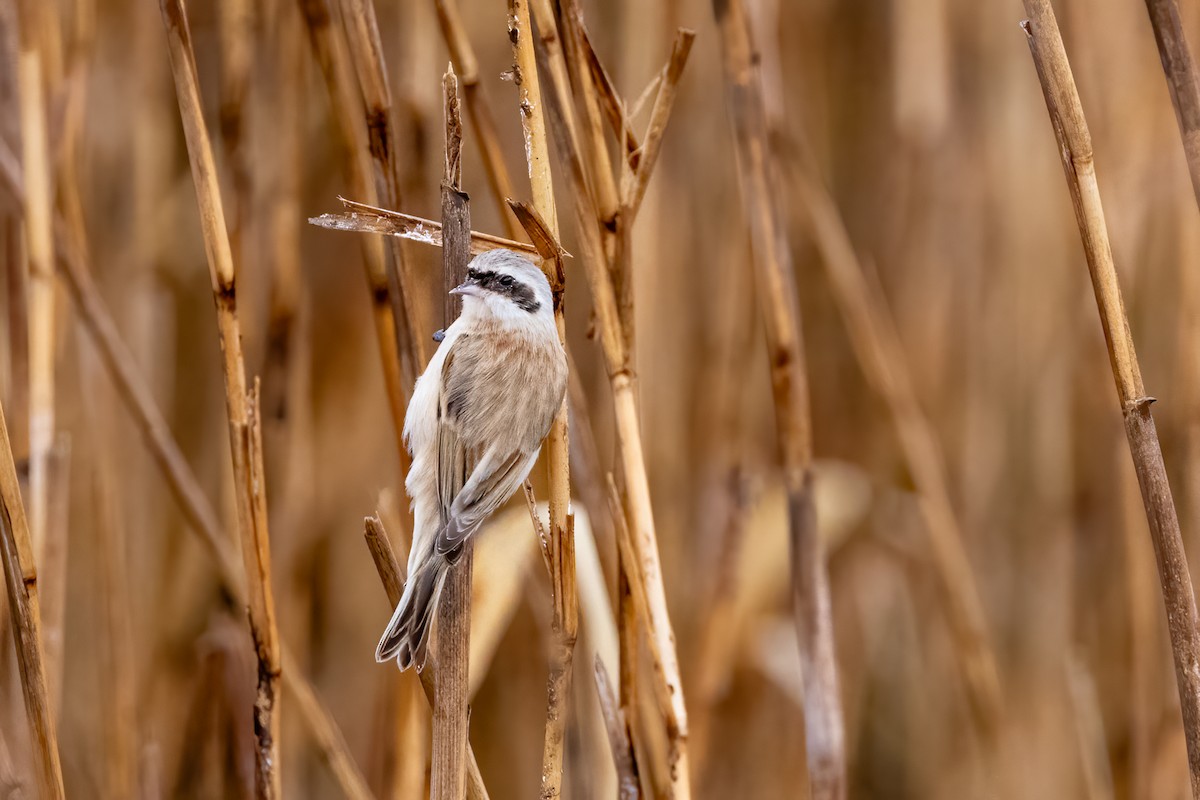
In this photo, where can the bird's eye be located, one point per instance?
(472, 274)
(506, 280)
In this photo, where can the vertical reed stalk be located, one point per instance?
(20, 572)
(450, 709)
(823, 724)
(668, 686)
(1075, 146)
(482, 120)
(245, 435)
(39, 198)
(565, 616)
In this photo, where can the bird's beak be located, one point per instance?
(467, 289)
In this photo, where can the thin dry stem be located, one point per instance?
(542, 223)
(775, 277)
(241, 408)
(1179, 68)
(1075, 147)
(21, 578)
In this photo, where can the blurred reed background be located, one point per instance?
(946, 214)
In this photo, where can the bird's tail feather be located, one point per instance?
(407, 635)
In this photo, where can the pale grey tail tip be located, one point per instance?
(406, 637)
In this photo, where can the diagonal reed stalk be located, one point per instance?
(1075, 146)
(451, 711)
(561, 543)
(241, 405)
(1179, 67)
(823, 723)
(20, 572)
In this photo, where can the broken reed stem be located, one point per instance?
(1180, 70)
(450, 709)
(39, 199)
(244, 434)
(391, 576)
(1075, 147)
(366, 51)
(668, 686)
(482, 121)
(20, 574)
(330, 53)
(372, 219)
(823, 722)
(564, 622)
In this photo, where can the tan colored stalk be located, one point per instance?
(330, 53)
(668, 687)
(480, 112)
(564, 594)
(408, 306)
(390, 575)
(628, 787)
(775, 277)
(241, 407)
(20, 572)
(1075, 147)
(371, 219)
(39, 198)
(451, 711)
(1180, 69)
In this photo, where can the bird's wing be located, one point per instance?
(477, 467)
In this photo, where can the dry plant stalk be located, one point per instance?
(1179, 68)
(366, 51)
(330, 53)
(612, 334)
(560, 545)
(451, 711)
(467, 66)
(823, 723)
(628, 787)
(1075, 146)
(371, 219)
(20, 574)
(390, 575)
(245, 438)
(39, 197)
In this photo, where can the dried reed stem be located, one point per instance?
(245, 436)
(668, 686)
(1180, 70)
(478, 109)
(564, 622)
(390, 575)
(628, 787)
(370, 219)
(20, 574)
(451, 711)
(39, 199)
(1075, 147)
(330, 53)
(366, 51)
(823, 723)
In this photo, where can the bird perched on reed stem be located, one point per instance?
(474, 428)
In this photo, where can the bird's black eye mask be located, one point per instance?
(507, 286)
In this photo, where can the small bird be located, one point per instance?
(474, 428)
